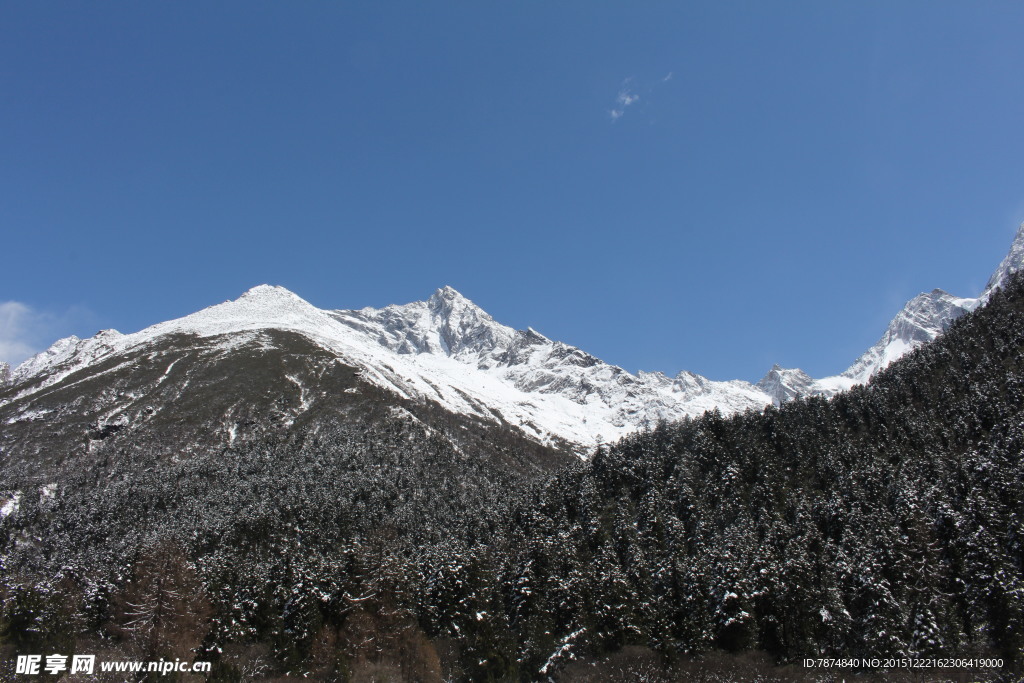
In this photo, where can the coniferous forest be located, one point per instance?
(886, 522)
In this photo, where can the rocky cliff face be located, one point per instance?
(786, 384)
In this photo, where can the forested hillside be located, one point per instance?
(886, 521)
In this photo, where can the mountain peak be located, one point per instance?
(263, 304)
(448, 303)
(448, 298)
(1013, 262)
(269, 293)
(785, 384)
(447, 293)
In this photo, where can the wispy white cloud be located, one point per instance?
(629, 95)
(25, 331)
(625, 98)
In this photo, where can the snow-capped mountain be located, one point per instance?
(922, 319)
(584, 399)
(448, 352)
(445, 350)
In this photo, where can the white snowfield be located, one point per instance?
(448, 350)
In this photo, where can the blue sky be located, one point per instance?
(705, 186)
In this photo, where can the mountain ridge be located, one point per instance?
(448, 350)
(920, 321)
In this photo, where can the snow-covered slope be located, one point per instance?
(445, 350)
(924, 318)
(609, 400)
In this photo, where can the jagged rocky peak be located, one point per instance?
(785, 384)
(687, 382)
(5, 373)
(462, 325)
(453, 309)
(928, 314)
(446, 323)
(449, 296)
(1013, 262)
(922, 319)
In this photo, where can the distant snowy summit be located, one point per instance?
(449, 351)
(922, 319)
